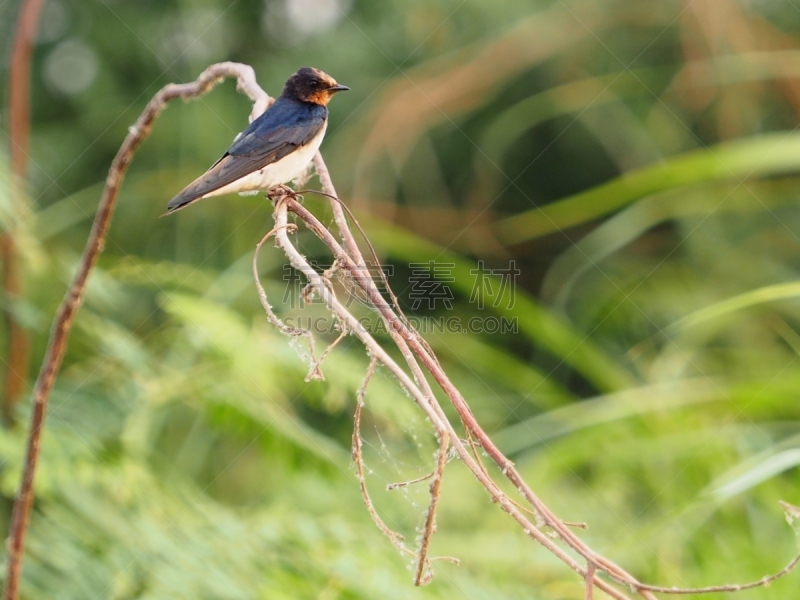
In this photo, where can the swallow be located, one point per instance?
(276, 147)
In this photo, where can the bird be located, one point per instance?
(275, 148)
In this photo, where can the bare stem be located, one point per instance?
(430, 518)
(62, 324)
(314, 372)
(402, 484)
(408, 340)
(417, 388)
(19, 118)
(358, 459)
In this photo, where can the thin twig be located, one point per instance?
(59, 334)
(395, 538)
(733, 587)
(430, 518)
(348, 237)
(314, 372)
(590, 568)
(373, 253)
(332, 345)
(402, 484)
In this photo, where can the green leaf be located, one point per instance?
(761, 156)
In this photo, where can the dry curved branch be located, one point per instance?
(730, 587)
(418, 388)
(314, 371)
(358, 458)
(62, 323)
(408, 340)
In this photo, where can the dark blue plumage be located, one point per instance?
(287, 121)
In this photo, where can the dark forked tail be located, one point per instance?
(206, 183)
(182, 200)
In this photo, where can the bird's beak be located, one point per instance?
(338, 88)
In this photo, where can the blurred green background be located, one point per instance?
(636, 161)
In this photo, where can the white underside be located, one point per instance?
(282, 171)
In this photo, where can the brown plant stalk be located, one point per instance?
(358, 459)
(17, 364)
(563, 543)
(418, 387)
(409, 340)
(59, 334)
(424, 577)
(590, 569)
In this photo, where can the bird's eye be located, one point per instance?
(313, 84)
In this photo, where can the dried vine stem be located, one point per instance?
(590, 581)
(402, 484)
(314, 371)
(418, 388)
(409, 340)
(406, 337)
(358, 459)
(62, 323)
(424, 353)
(430, 518)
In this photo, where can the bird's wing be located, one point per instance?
(279, 131)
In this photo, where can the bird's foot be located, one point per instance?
(282, 191)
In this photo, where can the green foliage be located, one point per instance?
(638, 165)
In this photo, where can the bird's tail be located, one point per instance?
(203, 186)
(191, 193)
(180, 201)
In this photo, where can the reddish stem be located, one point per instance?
(19, 134)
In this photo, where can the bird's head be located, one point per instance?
(312, 85)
